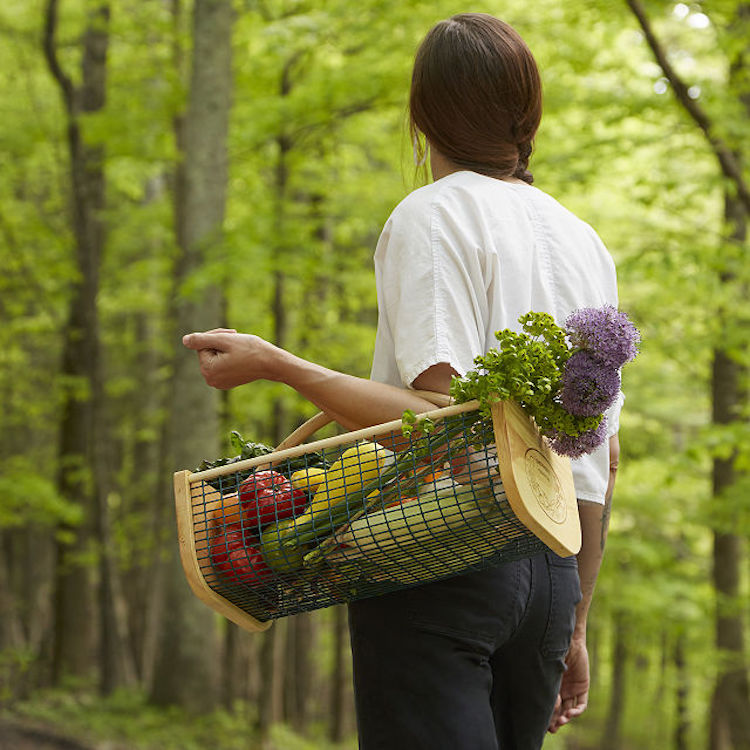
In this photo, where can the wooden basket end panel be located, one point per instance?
(538, 483)
(188, 534)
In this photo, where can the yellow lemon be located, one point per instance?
(357, 467)
(307, 479)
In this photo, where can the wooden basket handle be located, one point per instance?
(321, 419)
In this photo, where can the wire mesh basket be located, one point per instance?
(372, 511)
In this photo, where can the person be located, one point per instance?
(495, 658)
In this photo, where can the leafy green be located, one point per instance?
(411, 423)
(525, 367)
(28, 497)
(248, 449)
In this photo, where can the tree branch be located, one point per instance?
(728, 161)
(50, 54)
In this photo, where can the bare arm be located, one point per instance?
(228, 359)
(574, 689)
(594, 528)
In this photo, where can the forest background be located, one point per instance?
(170, 166)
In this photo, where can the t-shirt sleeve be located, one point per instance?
(613, 415)
(431, 289)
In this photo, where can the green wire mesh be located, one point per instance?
(357, 521)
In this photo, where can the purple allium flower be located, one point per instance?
(586, 442)
(589, 386)
(605, 332)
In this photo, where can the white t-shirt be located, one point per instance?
(468, 255)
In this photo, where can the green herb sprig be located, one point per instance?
(526, 367)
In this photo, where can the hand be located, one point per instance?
(228, 359)
(574, 688)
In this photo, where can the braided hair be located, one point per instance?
(476, 94)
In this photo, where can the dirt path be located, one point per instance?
(16, 736)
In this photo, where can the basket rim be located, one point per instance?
(271, 459)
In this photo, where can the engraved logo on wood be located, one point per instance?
(545, 485)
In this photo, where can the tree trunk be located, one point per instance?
(298, 675)
(272, 671)
(155, 495)
(665, 662)
(11, 628)
(187, 667)
(289, 714)
(116, 660)
(229, 658)
(142, 487)
(74, 631)
(612, 737)
(730, 715)
(253, 683)
(682, 710)
(340, 677)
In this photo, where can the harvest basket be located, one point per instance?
(365, 520)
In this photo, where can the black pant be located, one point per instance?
(470, 663)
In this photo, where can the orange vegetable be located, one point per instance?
(427, 478)
(225, 510)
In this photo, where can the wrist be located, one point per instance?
(278, 365)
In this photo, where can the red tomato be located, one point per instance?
(236, 560)
(249, 567)
(267, 497)
(221, 544)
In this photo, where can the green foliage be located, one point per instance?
(412, 424)
(247, 449)
(525, 367)
(125, 717)
(16, 665)
(28, 498)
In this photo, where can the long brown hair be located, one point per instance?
(476, 94)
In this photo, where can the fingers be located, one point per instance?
(576, 710)
(196, 341)
(210, 364)
(213, 339)
(555, 718)
(559, 723)
(567, 709)
(575, 702)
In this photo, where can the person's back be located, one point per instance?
(471, 254)
(532, 253)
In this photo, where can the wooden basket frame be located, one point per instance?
(538, 484)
